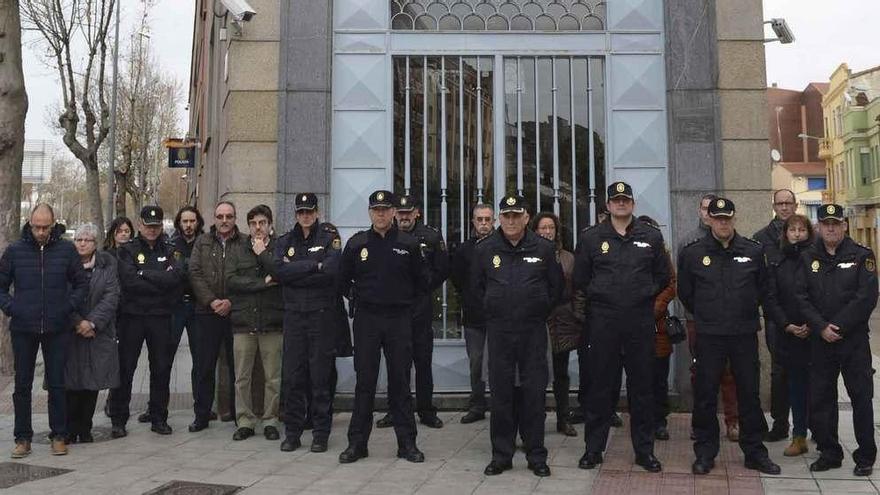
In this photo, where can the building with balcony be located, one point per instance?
(861, 155)
(797, 132)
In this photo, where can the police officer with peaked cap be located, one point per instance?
(384, 274)
(516, 275)
(152, 282)
(722, 278)
(307, 265)
(620, 265)
(837, 291)
(434, 248)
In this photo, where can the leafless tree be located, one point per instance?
(13, 109)
(76, 33)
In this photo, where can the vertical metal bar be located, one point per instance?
(443, 172)
(574, 223)
(519, 150)
(479, 132)
(407, 172)
(590, 154)
(555, 143)
(425, 136)
(498, 116)
(461, 201)
(537, 142)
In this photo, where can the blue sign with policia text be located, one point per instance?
(181, 154)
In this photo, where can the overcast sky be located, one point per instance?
(171, 38)
(828, 33)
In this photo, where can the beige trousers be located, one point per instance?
(245, 348)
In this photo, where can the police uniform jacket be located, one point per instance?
(839, 289)
(471, 306)
(207, 267)
(151, 279)
(388, 272)
(256, 306)
(518, 285)
(723, 287)
(308, 267)
(783, 309)
(434, 250)
(621, 272)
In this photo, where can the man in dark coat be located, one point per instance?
(784, 206)
(837, 292)
(472, 318)
(722, 280)
(50, 285)
(516, 276)
(434, 249)
(151, 281)
(620, 266)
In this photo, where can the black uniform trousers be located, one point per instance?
(850, 357)
(308, 367)
(523, 350)
(615, 337)
(386, 329)
(205, 339)
(134, 330)
(80, 411)
(660, 390)
(712, 355)
(423, 354)
(779, 407)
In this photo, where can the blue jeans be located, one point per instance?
(24, 348)
(184, 316)
(798, 386)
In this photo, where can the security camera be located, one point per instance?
(240, 9)
(783, 32)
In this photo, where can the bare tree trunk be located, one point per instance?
(13, 109)
(121, 191)
(93, 184)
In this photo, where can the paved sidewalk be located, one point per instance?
(456, 455)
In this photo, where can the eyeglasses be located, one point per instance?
(83, 240)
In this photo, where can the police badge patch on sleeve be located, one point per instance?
(870, 265)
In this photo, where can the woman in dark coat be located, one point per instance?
(92, 360)
(564, 325)
(793, 346)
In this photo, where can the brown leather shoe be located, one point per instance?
(733, 432)
(798, 446)
(22, 449)
(59, 446)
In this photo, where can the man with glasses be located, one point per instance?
(472, 317)
(152, 283)
(207, 275)
(40, 319)
(784, 206)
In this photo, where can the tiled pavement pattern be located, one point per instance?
(456, 456)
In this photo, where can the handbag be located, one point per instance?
(675, 330)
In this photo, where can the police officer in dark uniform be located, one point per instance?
(620, 266)
(152, 281)
(516, 275)
(384, 274)
(722, 278)
(307, 264)
(837, 291)
(434, 249)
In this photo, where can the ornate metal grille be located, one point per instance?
(498, 15)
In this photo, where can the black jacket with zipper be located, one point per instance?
(49, 281)
(207, 268)
(151, 278)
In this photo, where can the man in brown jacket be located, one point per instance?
(207, 272)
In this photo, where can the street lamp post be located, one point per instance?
(111, 173)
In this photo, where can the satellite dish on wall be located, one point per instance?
(775, 155)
